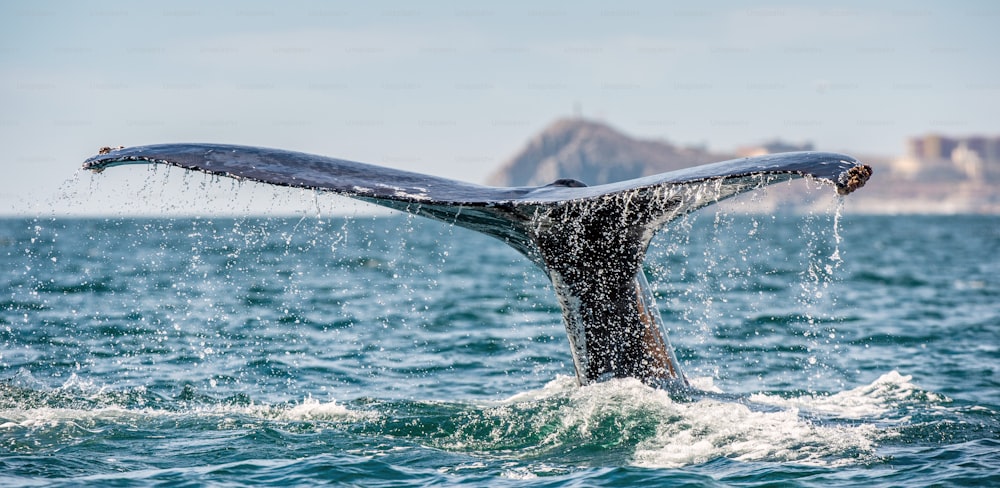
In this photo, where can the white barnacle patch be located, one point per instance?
(403, 193)
(411, 196)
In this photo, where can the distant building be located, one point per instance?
(935, 156)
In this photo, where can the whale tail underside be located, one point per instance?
(589, 240)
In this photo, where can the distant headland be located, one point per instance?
(936, 174)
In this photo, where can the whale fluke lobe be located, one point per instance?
(855, 178)
(589, 240)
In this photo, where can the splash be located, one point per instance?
(745, 277)
(621, 421)
(627, 420)
(312, 409)
(876, 401)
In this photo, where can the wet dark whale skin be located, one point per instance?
(590, 240)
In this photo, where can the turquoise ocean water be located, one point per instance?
(394, 351)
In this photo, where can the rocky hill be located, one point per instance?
(595, 154)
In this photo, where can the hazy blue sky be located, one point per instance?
(455, 88)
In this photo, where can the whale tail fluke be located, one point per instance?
(590, 240)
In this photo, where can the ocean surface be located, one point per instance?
(826, 349)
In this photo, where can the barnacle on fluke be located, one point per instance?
(855, 177)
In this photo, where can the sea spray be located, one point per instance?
(745, 258)
(626, 420)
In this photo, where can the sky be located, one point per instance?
(455, 88)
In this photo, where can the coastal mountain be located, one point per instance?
(595, 154)
(937, 175)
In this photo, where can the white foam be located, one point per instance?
(50, 418)
(869, 401)
(709, 429)
(40, 418)
(693, 432)
(519, 473)
(311, 409)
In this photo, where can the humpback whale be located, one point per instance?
(589, 240)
